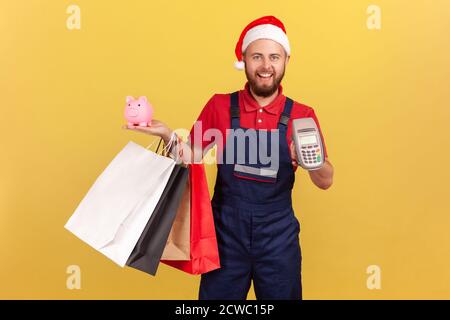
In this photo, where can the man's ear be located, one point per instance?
(287, 59)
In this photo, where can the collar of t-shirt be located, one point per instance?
(255, 116)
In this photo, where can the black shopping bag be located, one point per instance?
(147, 253)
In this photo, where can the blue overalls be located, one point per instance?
(257, 231)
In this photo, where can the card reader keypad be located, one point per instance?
(311, 154)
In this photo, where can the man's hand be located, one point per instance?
(323, 177)
(293, 155)
(182, 151)
(157, 128)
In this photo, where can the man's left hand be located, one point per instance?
(293, 155)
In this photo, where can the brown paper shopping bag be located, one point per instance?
(178, 244)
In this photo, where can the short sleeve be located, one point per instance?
(206, 120)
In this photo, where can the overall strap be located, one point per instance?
(286, 114)
(234, 110)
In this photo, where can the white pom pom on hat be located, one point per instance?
(240, 65)
(267, 27)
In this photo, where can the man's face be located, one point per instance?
(265, 63)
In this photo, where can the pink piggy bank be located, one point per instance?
(138, 111)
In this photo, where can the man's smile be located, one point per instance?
(264, 77)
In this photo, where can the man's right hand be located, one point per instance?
(183, 151)
(157, 128)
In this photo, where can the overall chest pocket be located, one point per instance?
(258, 158)
(255, 173)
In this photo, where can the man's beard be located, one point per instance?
(264, 90)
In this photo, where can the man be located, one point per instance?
(257, 231)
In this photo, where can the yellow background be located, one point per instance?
(381, 97)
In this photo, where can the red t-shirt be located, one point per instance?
(216, 114)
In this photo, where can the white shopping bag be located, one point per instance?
(114, 212)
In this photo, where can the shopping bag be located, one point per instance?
(204, 253)
(178, 245)
(149, 249)
(113, 214)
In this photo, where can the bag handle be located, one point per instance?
(151, 145)
(166, 148)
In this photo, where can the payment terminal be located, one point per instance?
(308, 143)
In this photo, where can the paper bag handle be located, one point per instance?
(166, 148)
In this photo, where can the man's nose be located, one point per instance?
(267, 64)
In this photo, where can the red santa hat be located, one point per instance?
(267, 27)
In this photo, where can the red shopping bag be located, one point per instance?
(204, 253)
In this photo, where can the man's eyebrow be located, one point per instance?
(270, 54)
